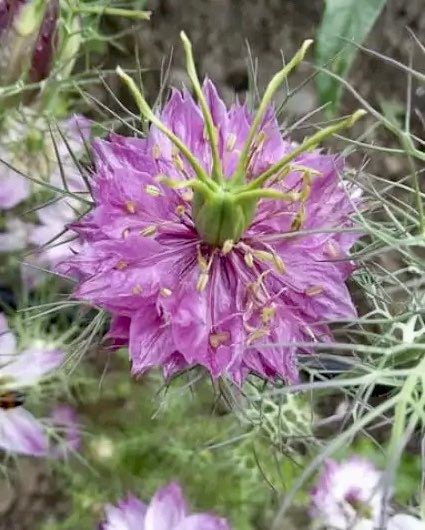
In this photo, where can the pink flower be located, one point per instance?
(20, 431)
(223, 252)
(348, 495)
(166, 511)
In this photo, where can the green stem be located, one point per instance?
(146, 111)
(272, 87)
(307, 144)
(209, 124)
(114, 11)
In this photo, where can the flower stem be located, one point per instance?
(272, 87)
(114, 11)
(147, 112)
(209, 124)
(307, 144)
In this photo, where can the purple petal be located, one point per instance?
(64, 420)
(28, 367)
(167, 509)
(129, 514)
(203, 522)
(7, 339)
(21, 433)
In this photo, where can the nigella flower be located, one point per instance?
(166, 511)
(348, 495)
(20, 431)
(215, 241)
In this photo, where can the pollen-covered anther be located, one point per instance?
(202, 282)
(180, 210)
(165, 292)
(314, 290)
(249, 259)
(148, 231)
(278, 263)
(137, 289)
(267, 314)
(217, 339)
(260, 139)
(258, 334)
(121, 265)
(156, 151)
(153, 190)
(227, 246)
(130, 207)
(298, 220)
(178, 163)
(230, 142)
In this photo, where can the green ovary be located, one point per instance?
(219, 217)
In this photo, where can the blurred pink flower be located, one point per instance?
(348, 495)
(20, 431)
(166, 511)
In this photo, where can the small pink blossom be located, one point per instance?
(166, 511)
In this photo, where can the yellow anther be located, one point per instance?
(180, 210)
(178, 162)
(202, 282)
(256, 335)
(137, 289)
(263, 255)
(130, 207)
(156, 151)
(231, 142)
(202, 262)
(278, 264)
(304, 169)
(227, 246)
(217, 339)
(153, 190)
(164, 291)
(148, 231)
(249, 259)
(268, 314)
(314, 290)
(298, 220)
(260, 139)
(121, 265)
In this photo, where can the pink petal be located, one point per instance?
(21, 433)
(167, 509)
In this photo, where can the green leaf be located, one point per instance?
(349, 19)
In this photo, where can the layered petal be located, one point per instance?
(21, 433)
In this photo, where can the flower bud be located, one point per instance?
(27, 38)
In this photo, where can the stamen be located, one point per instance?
(299, 219)
(268, 314)
(249, 260)
(156, 152)
(231, 142)
(227, 246)
(256, 335)
(202, 282)
(178, 162)
(180, 210)
(148, 231)
(217, 339)
(315, 290)
(130, 207)
(125, 233)
(121, 265)
(137, 289)
(153, 190)
(164, 291)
